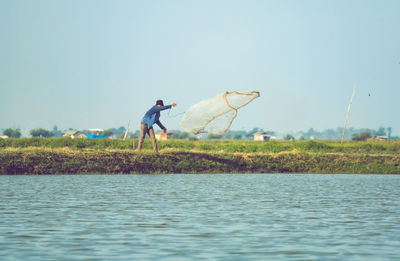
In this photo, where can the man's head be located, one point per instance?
(160, 103)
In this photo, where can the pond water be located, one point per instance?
(204, 216)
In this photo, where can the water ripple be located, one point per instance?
(186, 217)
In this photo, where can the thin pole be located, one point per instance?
(348, 112)
(127, 130)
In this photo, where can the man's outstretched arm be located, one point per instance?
(161, 108)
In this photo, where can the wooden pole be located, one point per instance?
(348, 112)
(127, 130)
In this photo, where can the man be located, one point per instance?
(152, 116)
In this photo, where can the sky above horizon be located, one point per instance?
(99, 64)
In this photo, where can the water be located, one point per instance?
(212, 217)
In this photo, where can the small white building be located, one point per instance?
(74, 134)
(4, 137)
(261, 136)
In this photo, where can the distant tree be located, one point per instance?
(251, 133)
(231, 134)
(56, 132)
(302, 138)
(121, 130)
(311, 133)
(174, 135)
(272, 133)
(362, 136)
(41, 133)
(288, 137)
(136, 134)
(8, 132)
(237, 136)
(389, 132)
(210, 136)
(330, 134)
(118, 133)
(178, 134)
(381, 132)
(184, 135)
(12, 133)
(228, 135)
(107, 133)
(16, 133)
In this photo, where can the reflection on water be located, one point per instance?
(183, 217)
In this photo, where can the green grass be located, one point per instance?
(229, 146)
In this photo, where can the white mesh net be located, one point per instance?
(215, 115)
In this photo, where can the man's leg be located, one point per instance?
(143, 131)
(153, 140)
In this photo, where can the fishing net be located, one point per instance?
(215, 115)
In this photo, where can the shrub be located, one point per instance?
(316, 146)
(362, 136)
(288, 137)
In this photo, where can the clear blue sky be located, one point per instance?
(99, 64)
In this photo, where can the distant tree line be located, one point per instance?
(240, 134)
(113, 132)
(362, 136)
(336, 134)
(41, 133)
(329, 134)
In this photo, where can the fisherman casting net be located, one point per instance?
(215, 115)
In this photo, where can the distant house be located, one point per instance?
(4, 137)
(162, 136)
(261, 136)
(74, 134)
(380, 138)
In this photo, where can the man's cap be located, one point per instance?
(160, 102)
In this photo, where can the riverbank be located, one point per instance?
(39, 160)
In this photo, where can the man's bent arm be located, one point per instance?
(160, 124)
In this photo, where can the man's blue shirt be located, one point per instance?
(153, 116)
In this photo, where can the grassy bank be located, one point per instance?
(40, 160)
